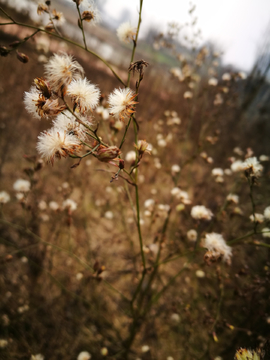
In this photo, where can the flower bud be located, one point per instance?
(22, 57)
(87, 16)
(107, 154)
(43, 86)
(142, 147)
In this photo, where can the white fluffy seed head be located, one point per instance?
(259, 218)
(30, 100)
(121, 103)
(217, 172)
(192, 235)
(267, 213)
(69, 204)
(60, 70)
(22, 185)
(4, 197)
(84, 355)
(126, 33)
(217, 246)
(199, 212)
(233, 198)
(56, 143)
(253, 166)
(67, 122)
(84, 95)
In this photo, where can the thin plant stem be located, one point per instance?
(81, 26)
(64, 39)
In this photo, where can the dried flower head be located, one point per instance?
(130, 156)
(58, 18)
(138, 66)
(22, 185)
(217, 248)
(244, 354)
(188, 95)
(252, 167)
(267, 213)
(192, 235)
(42, 8)
(233, 198)
(69, 204)
(4, 197)
(106, 154)
(259, 218)
(53, 205)
(143, 147)
(217, 172)
(266, 232)
(121, 103)
(37, 356)
(237, 166)
(85, 96)
(92, 14)
(226, 77)
(126, 33)
(199, 212)
(61, 70)
(39, 106)
(175, 169)
(56, 143)
(213, 81)
(67, 122)
(84, 355)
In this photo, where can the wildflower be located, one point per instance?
(138, 66)
(242, 75)
(218, 99)
(162, 142)
(3, 343)
(201, 212)
(244, 354)
(233, 198)
(58, 18)
(126, 33)
(42, 205)
(4, 197)
(217, 172)
(79, 277)
(92, 14)
(210, 160)
(149, 204)
(154, 248)
(106, 154)
(37, 357)
(84, 355)
(130, 156)
(69, 204)
(259, 218)
(61, 70)
(175, 169)
(56, 143)
(200, 274)
(175, 318)
(68, 123)
(122, 103)
(228, 172)
(84, 95)
(145, 348)
(226, 77)
(267, 213)
(188, 95)
(213, 81)
(217, 248)
(264, 158)
(39, 106)
(177, 72)
(253, 167)
(192, 235)
(108, 215)
(104, 351)
(19, 196)
(43, 86)
(42, 8)
(266, 232)
(22, 185)
(237, 150)
(143, 147)
(237, 166)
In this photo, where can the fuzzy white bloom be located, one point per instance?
(37, 357)
(164, 207)
(42, 205)
(267, 213)
(192, 235)
(56, 143)
(201, 212)
(177, 72)
(258, 218)
(217, 246)
(264, 158)
(175, 318)
(31, 99)
(121, 103)
(242, 75)
(181, 195)
(67, 122)
(188, 95)
(162, 143)
(237, 166)
(84, 355)
(233, 198)
(217, 172)
(145, 348)
(4, 197)
(219, 179)
(228, 172)
(149, 204)
(126, 32)
(84, 95)
(200, 274)
(266, 232)
(130, 156)
(60, 70)
(104, 351)
(226, 77)
(109, 215)
(19, 196)
(69, 204)
(3, 343)
(175, 169)
(22, 185)
(253, 166)
(213, 81)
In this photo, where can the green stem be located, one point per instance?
(81, 26)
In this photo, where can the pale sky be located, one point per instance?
(237, 26)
